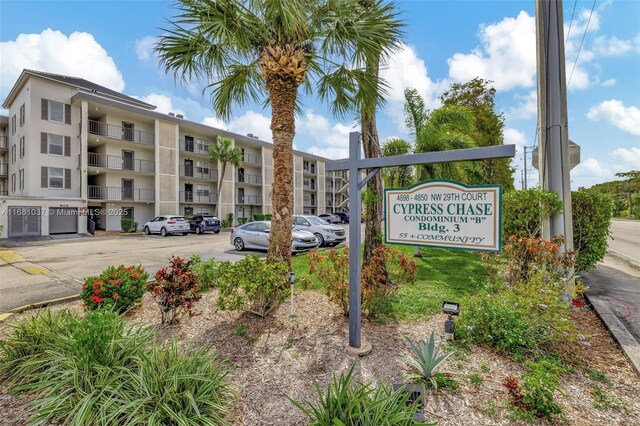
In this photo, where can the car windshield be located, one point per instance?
(178, 218)
(314, 220)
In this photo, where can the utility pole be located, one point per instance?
(553, 151)
(524, 172)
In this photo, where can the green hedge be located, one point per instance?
(522, 211)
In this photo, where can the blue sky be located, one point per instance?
(109, 42)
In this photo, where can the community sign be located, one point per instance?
(447, 214)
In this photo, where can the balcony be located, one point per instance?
(309, 170)
(4, 169)
(115, 193)
(251, 179)
(195, 147)
(308, 203)
(198, 172)
(4, 193)
(252, 159)
(121, 133)
(198, 197)
(249, 200)
(113, 162)
(309, 187)
(4, 143)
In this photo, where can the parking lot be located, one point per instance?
(69, 261)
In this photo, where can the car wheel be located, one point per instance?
(163, 232)
(238, 244)
(216, 232)
(198, 230)
(146, 230)
(319, 239)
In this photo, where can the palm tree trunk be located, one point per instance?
(283, 93)
(220, 181)
(373, 205)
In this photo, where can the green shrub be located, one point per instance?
(522, 211)
(242, 220)
(524, 319)
(228, 222)
(267, 217)
(536, 395)
(591, 213)
(175, 290)
(252, 285)
(117, 288)
(259, 217)
(128, 225)
(524, 256)
(207, 272)
(349, 404)
(174, 386)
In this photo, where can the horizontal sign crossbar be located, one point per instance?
(484, 153)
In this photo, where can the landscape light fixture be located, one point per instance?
(292, 279)
(451, 309)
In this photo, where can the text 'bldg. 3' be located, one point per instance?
(72, 151)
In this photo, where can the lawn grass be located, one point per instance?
(443, 274)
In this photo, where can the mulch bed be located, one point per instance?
(280, 357)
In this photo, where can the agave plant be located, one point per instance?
(425, 358)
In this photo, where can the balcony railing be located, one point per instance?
(121, 133)
(121, 163)
(4, 169)
(196, 147)
(4, 193)
(4, 142)
(309, 170)
(249, 200)
(309, 187)
(115, 193)
(309, 203)
(247, 178)
(252, 159)
(198, 197)
(198, 172)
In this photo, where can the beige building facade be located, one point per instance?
(75, 156)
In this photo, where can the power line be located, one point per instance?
(571, 22)
(581, 42)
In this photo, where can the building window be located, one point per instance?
(22, 147)
(13, 182)
(56, 111)
(56, 144)
(13, 124)
(56, 177)
(21, 172)
(22, 115)
(13, 154)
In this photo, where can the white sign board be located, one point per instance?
(447, 214)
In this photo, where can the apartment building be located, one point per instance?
(75, 155)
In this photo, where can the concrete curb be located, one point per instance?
(629, 260)
(5, 315)
(627, 342)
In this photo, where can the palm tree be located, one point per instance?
(250, 51)
(397, 177)
(223, 152)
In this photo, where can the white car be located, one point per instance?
(330, 235)
(165, 225)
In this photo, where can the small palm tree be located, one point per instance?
(249, 51)
(224, 153)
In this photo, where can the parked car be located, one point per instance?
(201, 223)
(344, 217)
(325, 234)
(330, 218)
(165, 225)
(255, 235)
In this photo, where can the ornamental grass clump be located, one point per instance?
(425, 357)
(118, 288)
(175, 290)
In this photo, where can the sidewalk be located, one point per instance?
(614, 293)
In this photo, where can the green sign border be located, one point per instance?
(496, 186)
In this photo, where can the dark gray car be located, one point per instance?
(325, 233)
(255, 235)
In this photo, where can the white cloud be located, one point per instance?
(515, 137)
(144, 48)
(405, 69)
(591, 169)
(609, 82)
(163, 103)
(627, 158)
(214, 122)
(78, 54)
(252, 122)
(615, 113)
(506, 55)
(526, 108)
(325, 139)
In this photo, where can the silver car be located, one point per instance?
(325, 233)
(255, 235)
(165, 225)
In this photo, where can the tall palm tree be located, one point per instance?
(223, 152)
(397, 177)
(251, 51)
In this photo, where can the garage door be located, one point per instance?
(24, 221)
(63, 220)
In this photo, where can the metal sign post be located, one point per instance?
(354, 164)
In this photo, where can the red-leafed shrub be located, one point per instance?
(175, 290)
(117, 288)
